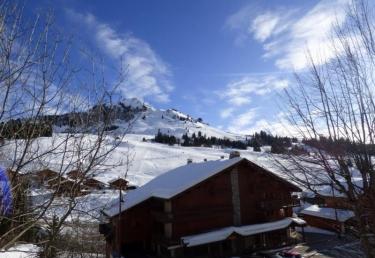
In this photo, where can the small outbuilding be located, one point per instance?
(118, 183)
(327, 218)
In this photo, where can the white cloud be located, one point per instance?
(262, 27)
(227, 112)
(314, 33)
(277, 125)
(268, 24)
(147, 74)
(287, 37)
(241, 122)
(240, 92)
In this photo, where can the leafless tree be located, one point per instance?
(39, 82)
(333, 106)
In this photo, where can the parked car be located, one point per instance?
(290, 254)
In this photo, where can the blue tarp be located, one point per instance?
(5, 193)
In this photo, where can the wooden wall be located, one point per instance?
(322, 223)
(136, 224)
(206, 206)
(262, 196)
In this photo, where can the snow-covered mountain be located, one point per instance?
(147, 120)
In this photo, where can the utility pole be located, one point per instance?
(119, 224)
(336, 215)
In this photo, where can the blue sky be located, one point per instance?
(225, 61)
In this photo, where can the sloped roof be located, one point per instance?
(224, 233)
(176, 181)
(328, 213)
(117, 179)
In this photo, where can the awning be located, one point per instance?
(224, 233)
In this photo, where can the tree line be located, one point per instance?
(24, 129)
(256, 141)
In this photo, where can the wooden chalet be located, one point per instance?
(75, 174)
(65, 186)
(329, 210)
(332, 219)
(44, 175)
(210, 209)
(118, 183)
(92, 183)
(15, 177)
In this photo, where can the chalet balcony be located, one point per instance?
(278, 204)
(162, 217)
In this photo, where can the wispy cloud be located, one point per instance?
(271, 24)
(240, 92)
(227, 112)
(242, 96)
(241, 122)
(251, 122)
(147, 74)
(287, 37)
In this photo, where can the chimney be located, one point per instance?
(189, 161)
(234, 154)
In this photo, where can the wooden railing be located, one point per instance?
(278, 204)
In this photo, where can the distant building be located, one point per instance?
(44, 175)
(210, 209)
(118, 183)
(327, 218)
(76, 174)
(93, 183)
(330, 210)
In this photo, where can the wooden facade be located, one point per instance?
(45, 175)
(336, 202)
(92, 183)
(76, 174)
(324, 223)
(336, 205)
(243, 194)
(118, 183)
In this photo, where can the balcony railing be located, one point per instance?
(278, 204)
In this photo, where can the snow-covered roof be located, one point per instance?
(224, 233)
(116, 179)
(334, 192)
(176, 181)
(328, 213)
(173, 182)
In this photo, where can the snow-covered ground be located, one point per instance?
(21, 251)
(149, 159)
(173, 122)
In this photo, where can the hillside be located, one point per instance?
(147, 120)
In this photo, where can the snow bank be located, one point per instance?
(20, 251)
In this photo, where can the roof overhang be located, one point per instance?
(248, 230)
